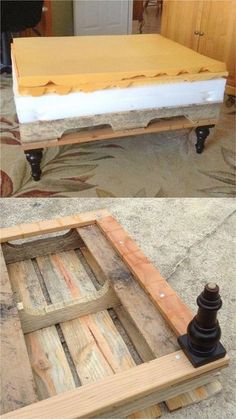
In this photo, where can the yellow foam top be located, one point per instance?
(88, 63)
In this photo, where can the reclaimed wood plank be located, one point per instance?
(22, 231)
(66, 278)
(143, 349)
(61, 282)
(17, 383)
(201, 393)
(18, 252)
(135, 301)
(32, 320)
(50, 367)
(103, 134)
(161, 293)
(173, 309)
(125, 387)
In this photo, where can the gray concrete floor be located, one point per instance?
(191, 242)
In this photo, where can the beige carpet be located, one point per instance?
(164, 164)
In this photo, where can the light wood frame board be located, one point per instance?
(107, 133)
(133, 287)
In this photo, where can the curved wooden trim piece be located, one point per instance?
(32, 319)
(18, 252)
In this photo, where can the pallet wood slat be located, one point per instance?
(22, 231)
(29, 250)
(63, 286)
(137, 304)
(150, 345)
(210, 388)
(51, 370)
(175, 312)
(88, 336)
(104, 134)
(149, 278)
(139, 311)
(17, 383)
(32, 320)
(124, 387)
(159, 397)
(134, 300)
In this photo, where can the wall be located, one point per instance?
(62, 17)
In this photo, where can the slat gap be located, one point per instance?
(41, 281)
(68, 356)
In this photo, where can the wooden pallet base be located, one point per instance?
(107, 133)
(47, 131)
(64, 288)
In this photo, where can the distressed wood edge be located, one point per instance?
(101, 397)
(159, 396)
(211, 389)
(17, 389)
(145, 350)
(106, 134)
(23, 231)
(108, 226)
(15, 252)
(34, 319)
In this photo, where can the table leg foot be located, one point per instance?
(34, 158)
(202, 134)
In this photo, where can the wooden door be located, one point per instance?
(218, 33)
(181, 20)
(102, 17)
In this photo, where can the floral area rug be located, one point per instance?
(154, 165)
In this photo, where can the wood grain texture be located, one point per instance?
(144, 315)
(32, 320)
(51, 370)
(173, 309)
(18, 252)
(17, 383)
(95, 345)
(102, 134)
(148, 351)
(142, 322)
(22, 231)
(218, 25)
(122, 388)
(199, 393)
(183, 22)
(186, 12)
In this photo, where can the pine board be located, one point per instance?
(95, 345)
(51, 370)
(17, 383)
(156, 332)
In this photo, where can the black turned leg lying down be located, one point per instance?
(202, 134)
(34, 158)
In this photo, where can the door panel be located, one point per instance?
(102, 17)
(218, 26)
(180, 19)
(218, 22)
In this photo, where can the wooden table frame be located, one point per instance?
(34, 150)
(125, 392)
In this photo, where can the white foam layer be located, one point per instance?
(54, 106)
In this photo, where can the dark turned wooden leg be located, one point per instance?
(201, 344)
(202, 134)
(34, 158)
